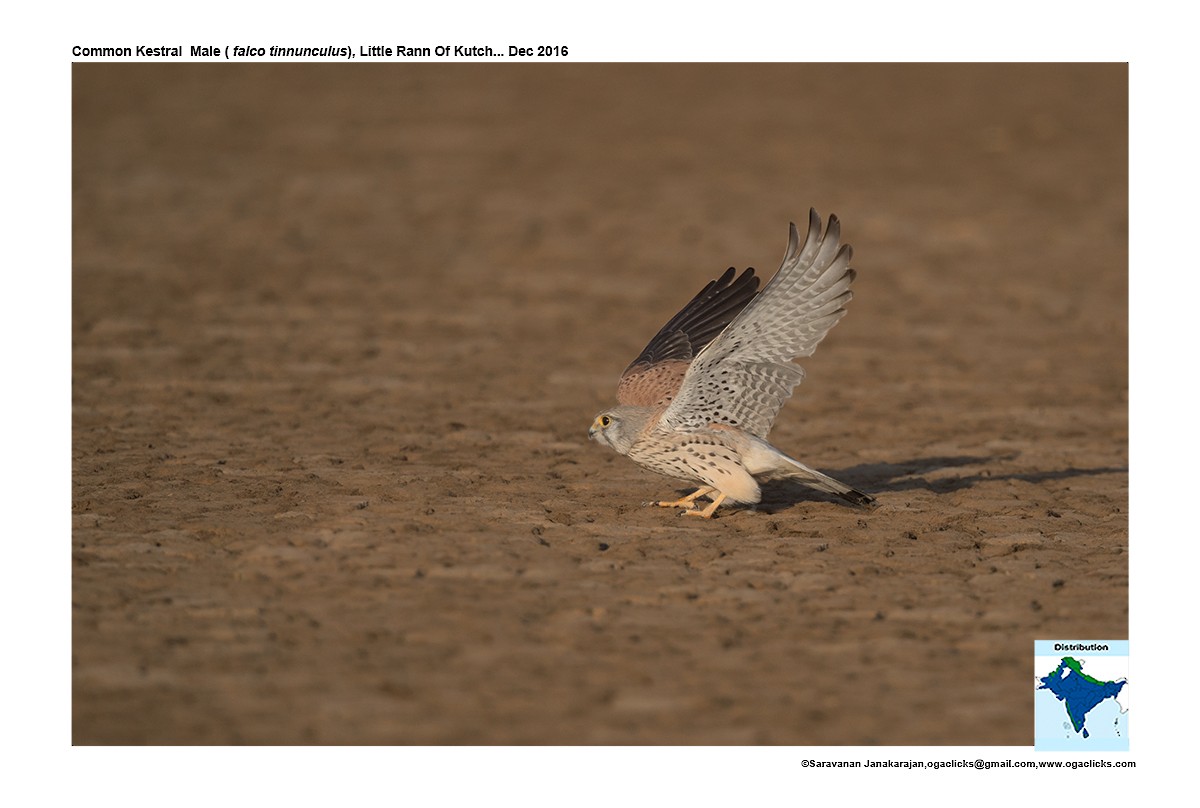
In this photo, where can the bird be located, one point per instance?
(698, 401)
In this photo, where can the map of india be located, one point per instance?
(1078, 691)
(1081, 695)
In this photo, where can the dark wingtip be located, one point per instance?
(747, 279)
(833, 228)
(750, 280)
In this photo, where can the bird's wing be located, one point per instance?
(746, 374)
(653, 378)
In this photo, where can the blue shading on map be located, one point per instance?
(1089, 708)
(1080, 691)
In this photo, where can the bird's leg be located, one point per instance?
(689, 501)
(707, 513)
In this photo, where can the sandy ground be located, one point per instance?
(339, 333)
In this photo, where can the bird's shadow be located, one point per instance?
(912, 475)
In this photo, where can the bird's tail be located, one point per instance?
(823, 482)
(766, 462)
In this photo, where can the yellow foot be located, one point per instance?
(708, 512)
(687, 502)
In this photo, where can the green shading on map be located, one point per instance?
(1078, 691)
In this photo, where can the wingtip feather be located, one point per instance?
(833, 230)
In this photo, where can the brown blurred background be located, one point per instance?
(339, 333)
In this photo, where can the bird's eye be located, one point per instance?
(605, 420)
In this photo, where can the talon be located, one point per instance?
(686, 502)
(708, 512)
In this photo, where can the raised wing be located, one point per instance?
(653, 378)
(746, 374)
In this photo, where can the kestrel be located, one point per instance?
(699, 400)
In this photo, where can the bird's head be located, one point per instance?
(617, 428)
